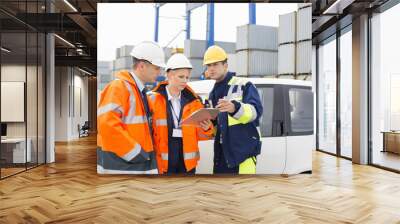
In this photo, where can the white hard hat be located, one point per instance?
(149, 51)
(178, 61)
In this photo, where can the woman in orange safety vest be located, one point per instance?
(171, 102)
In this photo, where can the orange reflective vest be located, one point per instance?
(124, 140)
(190, 134)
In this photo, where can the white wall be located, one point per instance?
(12, 73)
(71, 94)
(61, 103)
(33, 125)
(80, 100)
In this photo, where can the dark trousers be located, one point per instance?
(176, 164)
(179, 169)
(220, 166)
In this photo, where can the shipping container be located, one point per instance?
(287, 28)
(229, 47)
(198, 68)
(303, 57)
(104, 73)
(232, 62)
(256, 37)
(106, 78)
(124, 51)
(117, 53)
(123, 63)
(104, 66)
(256, 63)
(304, 23)
(286, 77)
(286, 59)
(114, 65)
(196, 48)
(167, 53)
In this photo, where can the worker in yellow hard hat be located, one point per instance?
(237, 140)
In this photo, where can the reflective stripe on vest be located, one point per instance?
(191, 155)
(132, 153)
(247, 112)
(237, 83)
(132, 100)
(109, 107)
(186, 155)
(164, 156)
(134, 120)
(161, 122)
(131, 118)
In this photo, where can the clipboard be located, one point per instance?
(203, 114)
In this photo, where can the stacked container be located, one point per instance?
(287, 45)
(303, 47)
(294, 60)
(104, 74)
(123, 60)
(232, 63)
(194, 50)
(256, 50)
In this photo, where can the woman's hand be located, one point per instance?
(205, 125)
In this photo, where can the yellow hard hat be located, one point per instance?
(214, 54)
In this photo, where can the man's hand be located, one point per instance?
(205, 125)
(225, 106)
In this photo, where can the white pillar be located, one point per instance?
(50, 91)
(360, 90)
(50, 99)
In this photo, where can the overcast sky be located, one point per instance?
(121, 24)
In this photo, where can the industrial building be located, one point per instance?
(51, 80)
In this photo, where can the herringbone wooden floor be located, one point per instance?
(70, 191)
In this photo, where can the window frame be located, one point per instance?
(277, 110)
(286, 90)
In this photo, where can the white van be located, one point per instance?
(286, 126)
